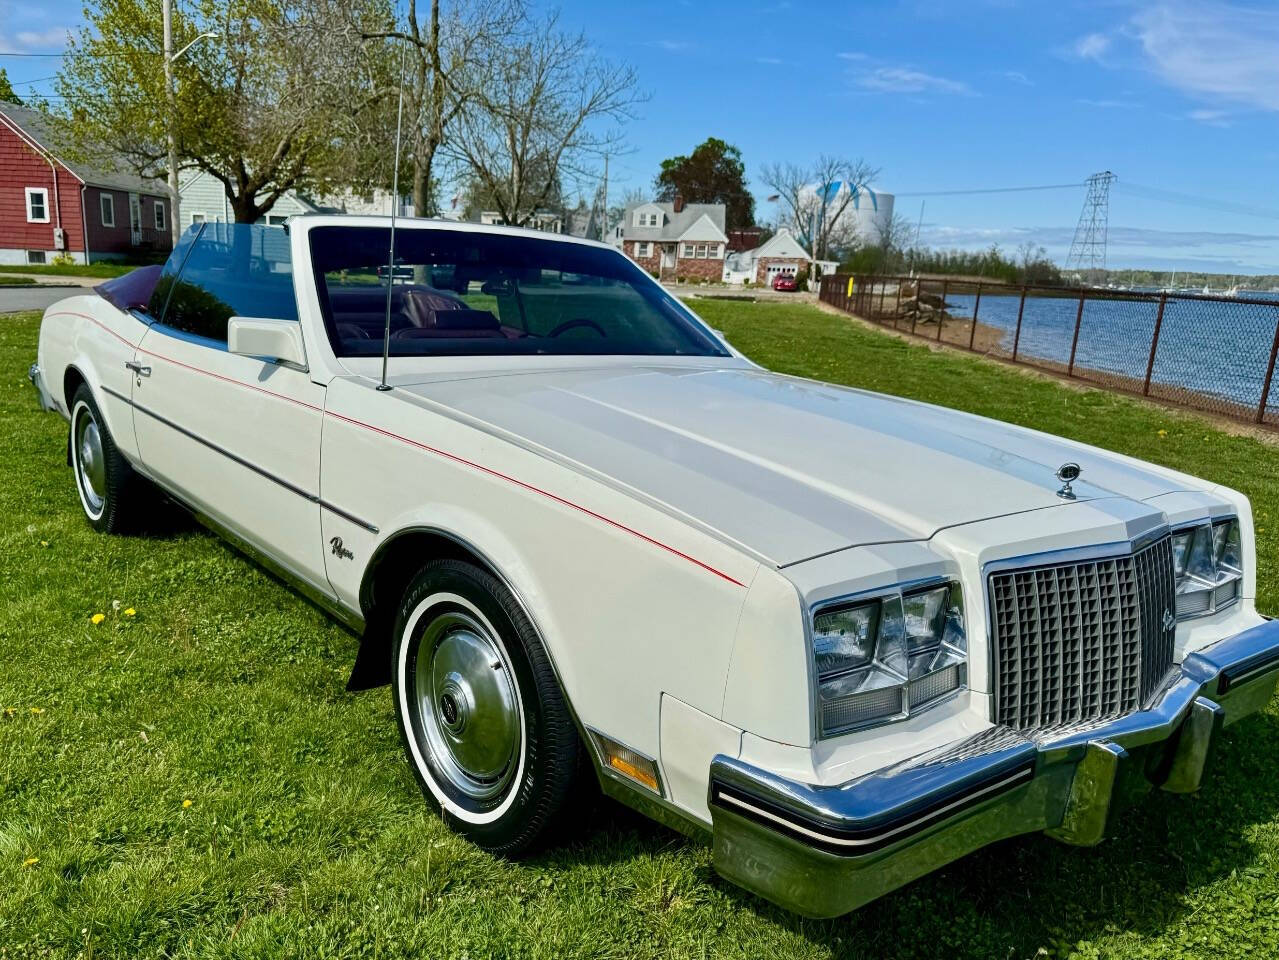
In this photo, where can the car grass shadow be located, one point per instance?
(1032, 892)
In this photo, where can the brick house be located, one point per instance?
(782, 253)
(675, 240)
(49, 206)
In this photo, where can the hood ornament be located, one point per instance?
(1068, 473)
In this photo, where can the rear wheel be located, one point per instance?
(105, 481)
(486, 728)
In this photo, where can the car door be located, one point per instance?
(237, 438)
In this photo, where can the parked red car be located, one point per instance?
(785, 281)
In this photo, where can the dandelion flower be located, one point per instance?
(1163, 433)
(44, 543)
(37, 710)
(97, 618)
(30, 861)
(130, 612)
(186, 804)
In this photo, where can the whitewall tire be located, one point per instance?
(485, 726)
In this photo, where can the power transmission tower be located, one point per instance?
(1088, 249)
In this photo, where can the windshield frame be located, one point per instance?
(701, 341)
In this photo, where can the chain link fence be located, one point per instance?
(1212, 353)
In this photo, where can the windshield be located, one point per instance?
(457, 292)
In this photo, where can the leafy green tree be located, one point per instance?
(712, 173)
(7, 94)
(273, 103)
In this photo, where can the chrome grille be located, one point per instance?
(1082, 640)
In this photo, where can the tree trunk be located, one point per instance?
(423, 160)
(245, 208)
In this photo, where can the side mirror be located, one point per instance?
(277, 340)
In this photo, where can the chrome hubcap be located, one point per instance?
(91, 465)
(467, 704)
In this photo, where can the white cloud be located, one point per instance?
(1091, 46)
(771, 61)
(1109, 104)
(906, 80)
(1216, 51)
(1214, 118)
(1016, 76)
(670, 46)
(851, 55)
(35, 41)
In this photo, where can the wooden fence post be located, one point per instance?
(1154, 343)
(1270, 376)
(972, 334)
(941, 312)
(1020, 310)
(1074, 344)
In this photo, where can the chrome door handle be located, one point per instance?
(140, 369)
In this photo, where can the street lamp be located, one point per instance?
(171, 117)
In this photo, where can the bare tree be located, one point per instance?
(539, 102)
(447, 51)
(891, 236)
(815, 199)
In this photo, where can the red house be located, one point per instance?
(49, 206)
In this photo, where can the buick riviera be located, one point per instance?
(849, 637)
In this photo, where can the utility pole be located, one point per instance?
(171, 120)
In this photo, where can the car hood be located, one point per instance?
(786, 468)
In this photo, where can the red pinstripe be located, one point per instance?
(538, 490)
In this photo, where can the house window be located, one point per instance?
(37, 205)
(641, 249)
(197, 218)
(712, 251)
(106, 209)
(276, 220)
(36, 256)
(701, 251)
(688, 251)
(161, 223)
(646, 219)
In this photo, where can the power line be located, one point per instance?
(957, 193)
(1189, 200)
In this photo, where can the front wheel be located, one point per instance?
(106, 483)
(485, 725)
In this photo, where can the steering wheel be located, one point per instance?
(568, 325)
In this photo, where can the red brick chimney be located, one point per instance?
(679, 203)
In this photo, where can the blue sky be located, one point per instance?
(1177, 96)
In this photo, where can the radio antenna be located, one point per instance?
(395, 202)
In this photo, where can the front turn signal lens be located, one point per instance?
(625, 762)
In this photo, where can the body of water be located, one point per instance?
(1219, 348)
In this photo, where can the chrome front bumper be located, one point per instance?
(37, 381)
(825, 850)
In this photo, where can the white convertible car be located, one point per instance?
(849, 636)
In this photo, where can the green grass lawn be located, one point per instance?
(15, 282)
(189, 778)
(105, 269)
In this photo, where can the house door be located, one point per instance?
(135, 219)
(668, 255)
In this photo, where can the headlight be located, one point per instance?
(1208, 561)
(883, 658)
